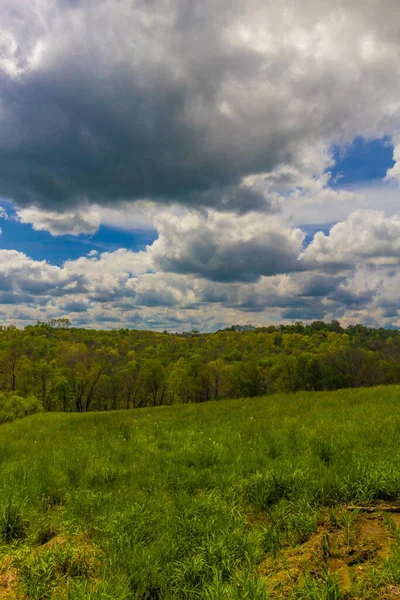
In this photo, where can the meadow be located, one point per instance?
(285, 496)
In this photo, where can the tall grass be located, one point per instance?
(185, 502)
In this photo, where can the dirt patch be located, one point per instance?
(371, 528)
(57, 540)
(289, 567)
(339, 567)
(393, 591)
(396, 519)
(8, 580)
(344, 548)
(374, 536)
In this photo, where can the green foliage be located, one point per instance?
(12, 522)
(13, 406)
(328, 589)
(70, 369)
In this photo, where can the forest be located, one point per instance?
(55, 367)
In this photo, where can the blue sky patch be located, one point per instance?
(311, 230)
(41, 245)
(363, 160)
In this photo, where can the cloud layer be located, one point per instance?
(177, 101)
(215, 125)
(226, 247)
(350, 273)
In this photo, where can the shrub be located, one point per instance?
(14, 407)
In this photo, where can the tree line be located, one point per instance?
(70, 369)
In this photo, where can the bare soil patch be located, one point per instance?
(8, 580)
(346, 548)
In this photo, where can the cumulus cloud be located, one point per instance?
(119, 289)
(87, 219)
(207, 270)
(226, 247)
(76, 222)
(128, 216)
(366, 236)
(393, 174)
(179, 101)
(93, 275)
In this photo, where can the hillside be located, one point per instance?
(246, 499)
(68, 369)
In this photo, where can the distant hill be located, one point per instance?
(70, 369)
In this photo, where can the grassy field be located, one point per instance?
(247, 499)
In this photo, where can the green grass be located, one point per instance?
(187, 502)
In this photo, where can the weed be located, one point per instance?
(13, 525)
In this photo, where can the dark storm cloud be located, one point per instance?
(36, 287)
(104, 318)
(102, 101)
(319, 285)
(5, 283)
(351, 299)
(68, 139)
(288, 302)
(75, 306)
(226, 248)
(15, 298)
(389, 310)
(83, 127)
(245, 262)
(153, 298)
(308, 313)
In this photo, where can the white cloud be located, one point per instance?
(393, 174)
(72, 222)
(226, 247)
(129, 216)
(209, 269)
(86, 219)
(367, 236)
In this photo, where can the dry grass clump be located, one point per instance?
(8, 580)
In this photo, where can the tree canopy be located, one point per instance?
(71, 369)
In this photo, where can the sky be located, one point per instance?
(177, 165)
